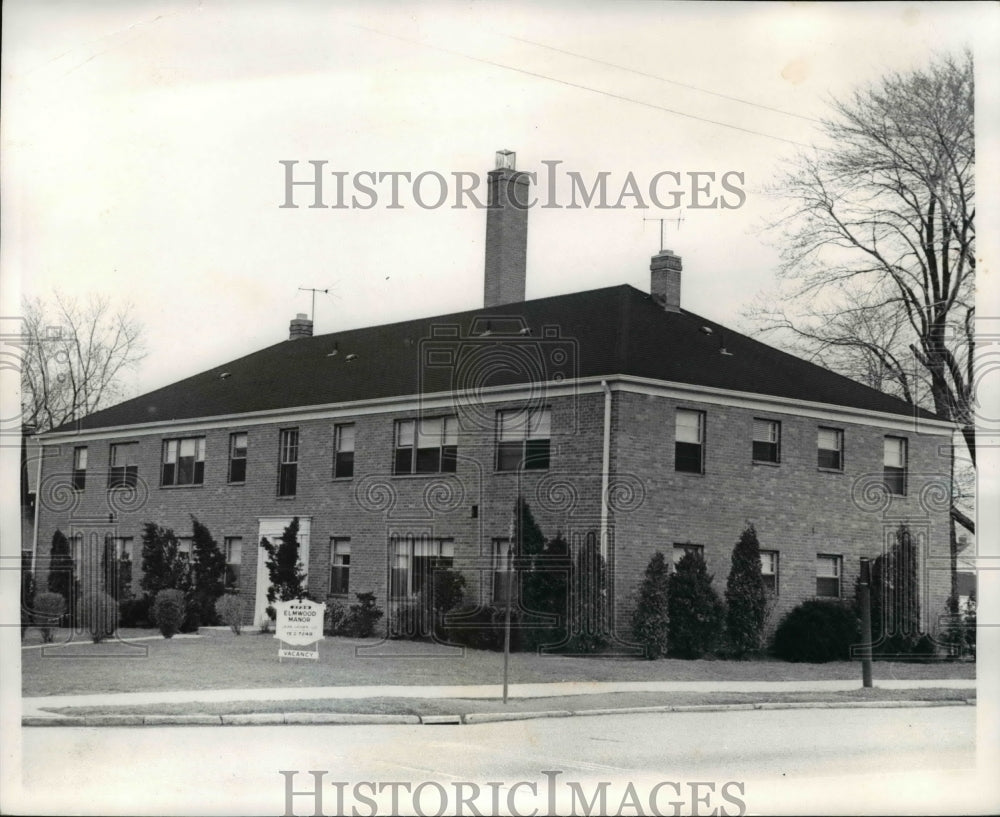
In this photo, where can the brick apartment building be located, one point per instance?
(618, 415)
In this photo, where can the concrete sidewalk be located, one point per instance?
(31, 707)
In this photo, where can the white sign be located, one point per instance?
(298, 623)
(313, 654)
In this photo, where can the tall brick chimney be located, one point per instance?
(506, 232)
(300, 327)
(665, 280)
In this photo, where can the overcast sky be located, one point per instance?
(142, 146)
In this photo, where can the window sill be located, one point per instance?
(830, 470)
(769, 463)
(690, 473)
(285, 498)
(521, 470)
(238, 484)
(417, 475)
(344, 479)
(182, 487)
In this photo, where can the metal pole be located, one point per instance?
(506, 627)
(865, 600)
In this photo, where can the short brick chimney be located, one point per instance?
(665, 280)
(300, 327)
(506, 232)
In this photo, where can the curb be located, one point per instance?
(345, 718)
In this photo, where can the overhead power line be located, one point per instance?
(664, 79)
(579, 86)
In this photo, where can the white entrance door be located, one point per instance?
(271, 527)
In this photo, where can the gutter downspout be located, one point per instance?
(605, 469)
(38, 502)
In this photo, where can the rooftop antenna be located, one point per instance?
(663, 221)
(312, 315)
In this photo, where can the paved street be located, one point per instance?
(789, 761)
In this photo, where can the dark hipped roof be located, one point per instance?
(602, 332)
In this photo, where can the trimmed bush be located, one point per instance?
(135, 612)
(168, 611)
(61, 574)
(482, 628)
(588, 602)
(334, 617)
(229, 608)
(363, 617)
(97, 614)
(192, 614)
(696, 613)
(651, 619)
(49, 609)
(746, 599)
(410, 619)
(817, 631)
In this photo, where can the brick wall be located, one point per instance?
(798, 510)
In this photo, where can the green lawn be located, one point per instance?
(217, 659)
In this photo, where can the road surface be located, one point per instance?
(919, 760)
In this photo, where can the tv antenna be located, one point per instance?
(663, 221)
(314, 291)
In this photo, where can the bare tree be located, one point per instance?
(74, 357)
(878, 247)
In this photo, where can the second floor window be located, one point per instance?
(689, 445)
(766, 440)
(238, 457)
(123, 471)
(427, 446)
(894, 459)
(288, 461)
(830, 449)
(343, 450)
(183, 462)
(80, 468)
(523, 439)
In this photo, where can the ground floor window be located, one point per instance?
(414, 559)
(828, 571)
(769, 570)
(234, 560)
(681, 550)
(340, 565)
(502, 559)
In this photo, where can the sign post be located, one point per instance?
(865, 602)
(298, 623)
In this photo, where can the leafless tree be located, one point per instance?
(73, 358)
(878, 245)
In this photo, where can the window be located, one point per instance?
(234, 558)
(288, 461)
(340, 565)
(184, 544)
(766, 440)
(123, 471)
(769, 570)
(76, 553)
(80, 468)
(689, 441)
(830, 448)
(238, 457)
(343, 450)
(427, 446)
(894, 459)
(501, 549)
(680, 551)
(523, 439)
(414, 560)
(183, 462)
(828, 576)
